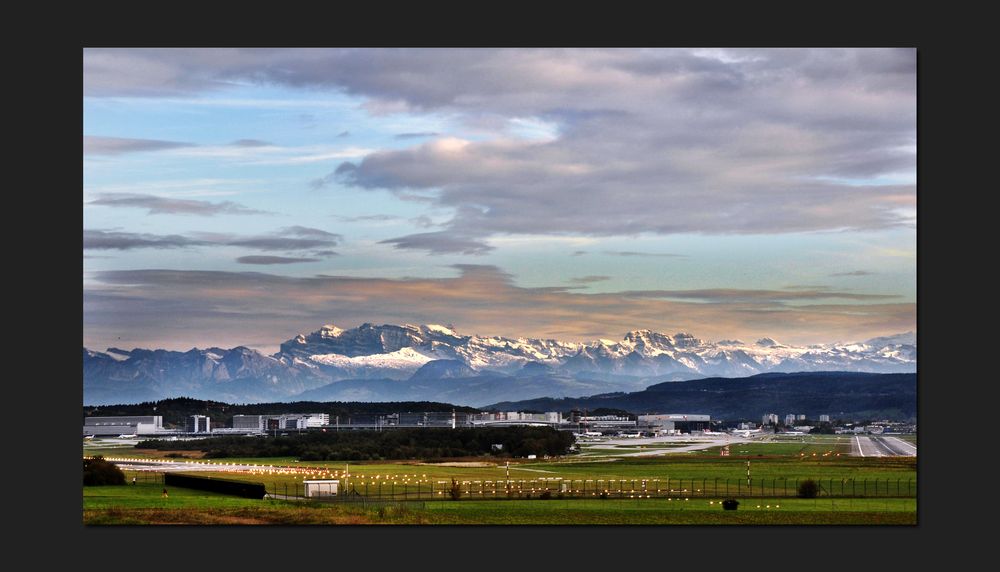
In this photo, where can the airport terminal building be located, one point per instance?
(138, 425)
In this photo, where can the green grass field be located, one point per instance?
(699, 476)
(143, 504)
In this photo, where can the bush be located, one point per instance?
(98, 472)
(456, 490)
(545, 495)
(730, 504)
(808, 489)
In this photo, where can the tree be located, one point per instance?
(98, 471)
(808, 489)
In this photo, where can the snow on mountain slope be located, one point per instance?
(639, 352)
(393, 352)
(402, 358)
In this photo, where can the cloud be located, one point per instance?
(162, 205)
(286, 239)
(418, 135)
(273, 260)
(368, 218)
(660, 141)
(250, 143)
(115, 240)
(589, 279)
(633, 253)
(854, 273)
(579, 253)
(93, 145)
(176, 308)
(439, 243)
(309, 232)
(730, 295)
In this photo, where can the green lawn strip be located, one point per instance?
(656, 511)
(150, 495)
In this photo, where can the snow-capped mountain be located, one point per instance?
(393, 352)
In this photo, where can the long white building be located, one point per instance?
(123, 425)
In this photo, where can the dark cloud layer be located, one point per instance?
(440, 243)
(178, 309)
(115, 240)
(286, 239)
(589, 279)
(163, 205)
(273, 260)
(854, 273)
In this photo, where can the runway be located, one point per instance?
(881, 446)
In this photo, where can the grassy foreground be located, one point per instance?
(144, 504)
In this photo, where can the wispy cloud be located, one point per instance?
(250, 143)
(854, 273)
(417, 135)
(267, 260)
(589, 279)
(163, 205)
(93, 145)
(116, 240)
(285, 239)
(731, 295)
(442, 242)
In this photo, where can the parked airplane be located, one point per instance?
(123, 436)
(88, 437)
(745, 432)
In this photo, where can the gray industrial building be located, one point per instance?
(686, 422)
(134, 425)
(249, 422)
(198, 424)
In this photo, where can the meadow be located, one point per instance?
(672, 488)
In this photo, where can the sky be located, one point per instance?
(243, 196)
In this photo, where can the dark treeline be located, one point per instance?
(431, 443)
(175, 411)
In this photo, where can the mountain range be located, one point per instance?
(434, 362)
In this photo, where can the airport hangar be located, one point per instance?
(682, 422)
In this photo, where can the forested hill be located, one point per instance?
(839, 394)
(175, 411)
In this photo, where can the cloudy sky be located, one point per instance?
(239, 197)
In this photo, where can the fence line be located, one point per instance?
(361, 490)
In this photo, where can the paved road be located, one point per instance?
(881, 446)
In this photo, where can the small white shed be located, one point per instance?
(326, 488)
